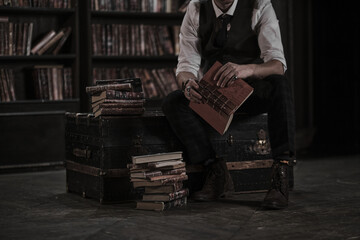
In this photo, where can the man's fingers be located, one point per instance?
(219, 72)
(224, 78)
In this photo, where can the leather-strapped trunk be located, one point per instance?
(99, 149)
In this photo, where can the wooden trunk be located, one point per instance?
(98, 150)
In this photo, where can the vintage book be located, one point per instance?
(119, 111)
(100, 88)
(135, 82)
(144, 175)
(118, 104)
(156, 157)
(106, 103)
(167, 165)
(156, 178)
(164, 189)
(62, 41)
(116, 95)
(161, 182)
(43, 41)
(51, 42)
(161, 206)
(167, 196)
(29, 38)
(218, 108)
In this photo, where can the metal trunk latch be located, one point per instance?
(262, 145)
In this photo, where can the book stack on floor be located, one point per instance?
(162, 176)
(117, 97)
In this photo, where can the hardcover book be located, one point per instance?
(165, 197)
(219, 104)
(164, 189)
(161, 206)
(156, 157)
(162, 182)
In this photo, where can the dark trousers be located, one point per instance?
(272, 95)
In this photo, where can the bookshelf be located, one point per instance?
(141, 24)
(32, 126)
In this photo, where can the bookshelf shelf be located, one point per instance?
(142, 15)
(39, 58)
(135, 58)
(33, 10)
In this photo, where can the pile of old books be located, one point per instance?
(117, 97)
(160, 177)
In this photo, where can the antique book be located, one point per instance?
(29, 38)
(219, 104)
(100, 88)
(116, 95)
(164, 176)
(110, 103)
(165, 197)
(145, 174)
(164, 189)
(43, 41)
(161, 182)
(156, 157)
(161, 206)
(119, 111)
(135, 83)
(51, 42)
(62, 41)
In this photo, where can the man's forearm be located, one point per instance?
(265, 69)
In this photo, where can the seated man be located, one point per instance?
(244, 36)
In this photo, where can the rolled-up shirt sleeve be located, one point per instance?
(189, 58)
(266, 24)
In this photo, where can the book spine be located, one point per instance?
(121, 104)
(100, 88)
(179, 194)
(175, 203)
(43, 41)
(215, 99)
(51, 42)
(113, 94)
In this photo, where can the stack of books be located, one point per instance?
(161, 176)
(117, 97)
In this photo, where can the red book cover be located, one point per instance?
(237, 93)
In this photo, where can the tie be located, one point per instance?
(221, 35)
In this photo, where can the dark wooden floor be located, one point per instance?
(325, 204)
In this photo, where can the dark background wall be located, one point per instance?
(336, 76)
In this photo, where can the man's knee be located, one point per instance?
(172, 101)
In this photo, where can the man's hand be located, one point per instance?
(190, 91)
(229, 72)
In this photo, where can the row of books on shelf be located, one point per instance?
(158, 6)
(156, 83)
(161, 177)
(37, 3)
(117, 97)
(7, 92)
(52, 82)
(16, 39)
(134, 40)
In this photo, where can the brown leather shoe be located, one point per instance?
(278, 195)
(218, 182)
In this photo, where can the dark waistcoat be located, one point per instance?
(241, 46)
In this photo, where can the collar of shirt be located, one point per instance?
(230, 12)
